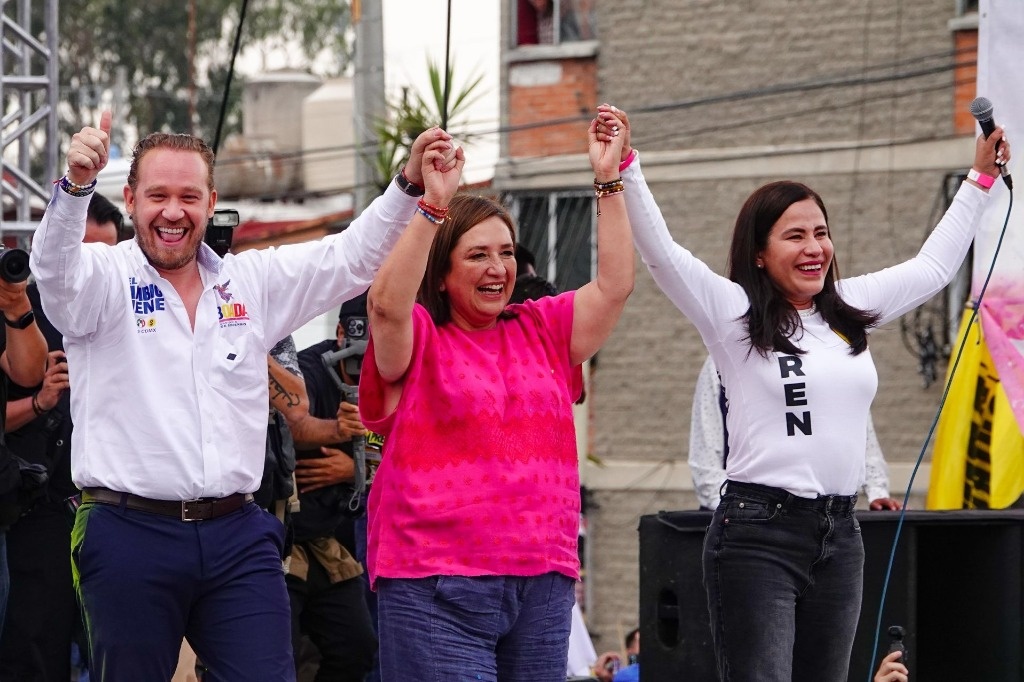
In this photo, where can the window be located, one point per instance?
(966, 7)
(536, 25)
(558, 228)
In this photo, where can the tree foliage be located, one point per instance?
(411, 113)
(151, 41)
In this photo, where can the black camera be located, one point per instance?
(220, 229)
(14, 265)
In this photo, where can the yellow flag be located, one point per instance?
(978, 461)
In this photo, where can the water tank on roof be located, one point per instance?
(328, 138)
(265, 161)
(272, 107)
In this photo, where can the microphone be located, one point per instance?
(981, 110)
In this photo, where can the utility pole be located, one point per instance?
(369, 105)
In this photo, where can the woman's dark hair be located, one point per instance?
(464, 213)
(771, 319)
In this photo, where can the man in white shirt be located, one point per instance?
(167, 347)
(709, 449)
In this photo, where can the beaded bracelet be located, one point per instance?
(76, 190)
(436, 211)
(605, 189)
(431, 217)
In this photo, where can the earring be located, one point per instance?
(760, 265)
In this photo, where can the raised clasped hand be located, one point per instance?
(442, 171)
(605, 139)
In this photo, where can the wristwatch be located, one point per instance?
(408, 186)
(22, 322)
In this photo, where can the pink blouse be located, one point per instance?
(479, 474)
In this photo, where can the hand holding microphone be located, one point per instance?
(981, 109)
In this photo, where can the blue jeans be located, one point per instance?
(480, 629)
(784, 577)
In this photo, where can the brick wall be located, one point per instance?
(550, 90)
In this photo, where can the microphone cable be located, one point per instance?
(931, 432)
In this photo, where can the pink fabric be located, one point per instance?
(1003, 322)
(479, 474)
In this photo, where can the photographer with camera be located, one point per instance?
(42, 613)
(328, 595)
(23, 362)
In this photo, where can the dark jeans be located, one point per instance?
(335, 618)
(486, 629)
(784, 577)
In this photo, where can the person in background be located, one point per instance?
(474, 511)
(324, 579)
(43, 615)
(709, 447)
(783, 556)
(167, 342)
(22, 361)
(630, 673)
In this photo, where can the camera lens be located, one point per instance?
(14, 265)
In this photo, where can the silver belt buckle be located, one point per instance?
(192, 510)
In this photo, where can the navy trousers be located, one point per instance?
(147, 580)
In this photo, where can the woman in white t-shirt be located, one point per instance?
(783, 556)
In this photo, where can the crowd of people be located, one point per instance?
(214, 490)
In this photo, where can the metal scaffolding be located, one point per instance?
(28, 93)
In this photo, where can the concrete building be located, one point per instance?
(866, 102)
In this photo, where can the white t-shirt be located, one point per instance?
(796, 422)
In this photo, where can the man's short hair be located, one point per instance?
(102, 211)
(530, 288)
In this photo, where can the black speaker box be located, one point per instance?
(955, 588)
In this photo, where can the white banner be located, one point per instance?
(1001, 79)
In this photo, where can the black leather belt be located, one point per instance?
(200, 509)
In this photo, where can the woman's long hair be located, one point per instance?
(771, 319)
(464, 213)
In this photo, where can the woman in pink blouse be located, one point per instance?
(474, 511)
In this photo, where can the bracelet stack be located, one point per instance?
(434, 214)
(605, 189)
(75, 189)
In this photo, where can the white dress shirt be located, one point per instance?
(165, 411)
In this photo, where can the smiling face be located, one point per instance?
(482, 274)
(798, 253)
(170, 206)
